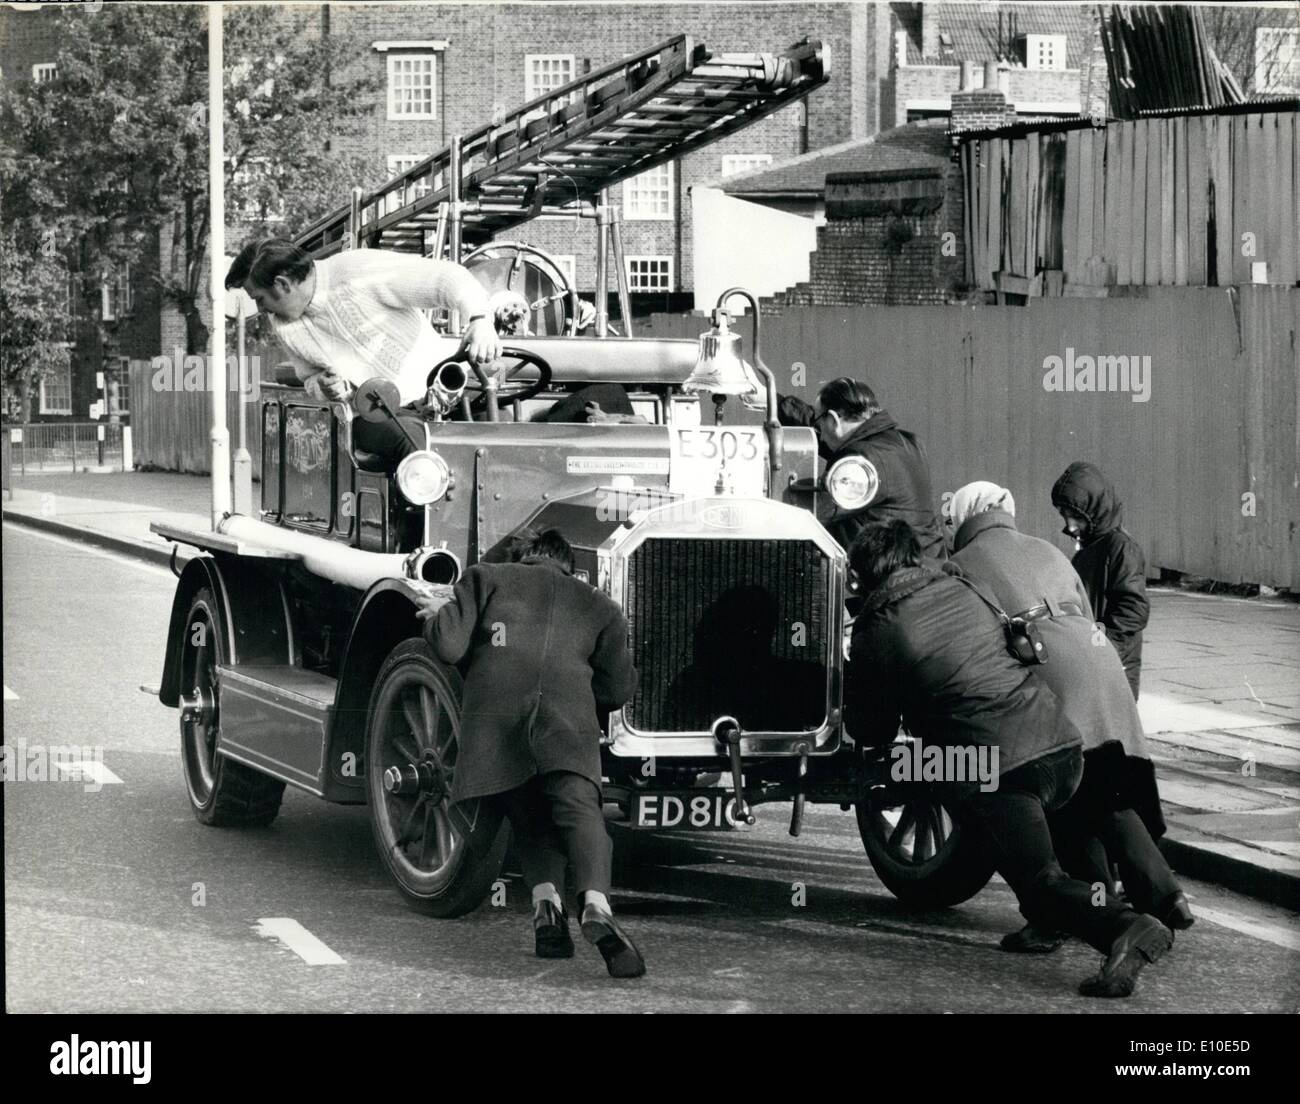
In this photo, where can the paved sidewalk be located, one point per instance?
(1220, 685)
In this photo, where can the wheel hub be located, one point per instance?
(198, 707)
(425, 777)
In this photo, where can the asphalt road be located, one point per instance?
(116, 899)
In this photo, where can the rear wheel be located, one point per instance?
(443, 857)
(222, 793)
(924, 857)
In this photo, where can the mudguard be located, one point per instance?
(248, 597)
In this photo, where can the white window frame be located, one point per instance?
(1048, 47)
(398, 163)
(395, 61)
(734, 163)
(635, 204)
(44, 71)
(123, 380)
(114, 309)
(1275, 59)
(669, 275)
(532, 88)
(66, 369)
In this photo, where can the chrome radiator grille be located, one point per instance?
(729, 627)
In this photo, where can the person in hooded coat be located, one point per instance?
(1109, 561)
(1115, 814)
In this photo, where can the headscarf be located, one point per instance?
(976, 498)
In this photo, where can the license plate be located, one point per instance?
(710, 811)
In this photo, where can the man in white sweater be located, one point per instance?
(356, 315)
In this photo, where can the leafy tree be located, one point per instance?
(113, 151)
(32, 336)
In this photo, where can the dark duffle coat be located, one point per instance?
(926, 648)
(541, 651)
(1082, 669)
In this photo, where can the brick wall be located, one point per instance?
(931, 83)
(980, 110)
(29, 37)
(482, 71)
(856, 264)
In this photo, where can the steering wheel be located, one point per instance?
(488, 387)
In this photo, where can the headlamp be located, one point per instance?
(852, 482)
(423, 477)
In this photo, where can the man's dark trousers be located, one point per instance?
(557, 822)
(386, 439)
(1013, 820)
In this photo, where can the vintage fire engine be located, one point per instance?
(295, 655)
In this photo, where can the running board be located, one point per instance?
(277, 720)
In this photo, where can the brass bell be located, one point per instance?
(719, 368)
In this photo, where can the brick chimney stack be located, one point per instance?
(929, 31)
(980, 108)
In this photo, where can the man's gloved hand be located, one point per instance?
(481, 343)
(793, 411)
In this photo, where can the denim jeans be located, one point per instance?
(1013, 821)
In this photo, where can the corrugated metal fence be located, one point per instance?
(1208, 465)
(1183, 201)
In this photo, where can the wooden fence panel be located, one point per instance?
(1153, 198)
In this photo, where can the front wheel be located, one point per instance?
(443, 857)
(924, 857)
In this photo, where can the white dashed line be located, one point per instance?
(10, 695)
(88, 770)
(299, 940)
(1288, 938)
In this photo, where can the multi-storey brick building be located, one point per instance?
(449, 68)
(1049, 58)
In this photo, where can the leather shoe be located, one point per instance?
(1174, 912)
(622, 959)
(1032, 940)
(1144, 940)
(551, 932)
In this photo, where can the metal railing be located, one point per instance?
(63, 446)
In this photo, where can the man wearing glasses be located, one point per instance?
(883, 467)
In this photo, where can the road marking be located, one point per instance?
(88, 769)
(299, 940)
(1269, 933)
(85, 546)
(10, 695)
